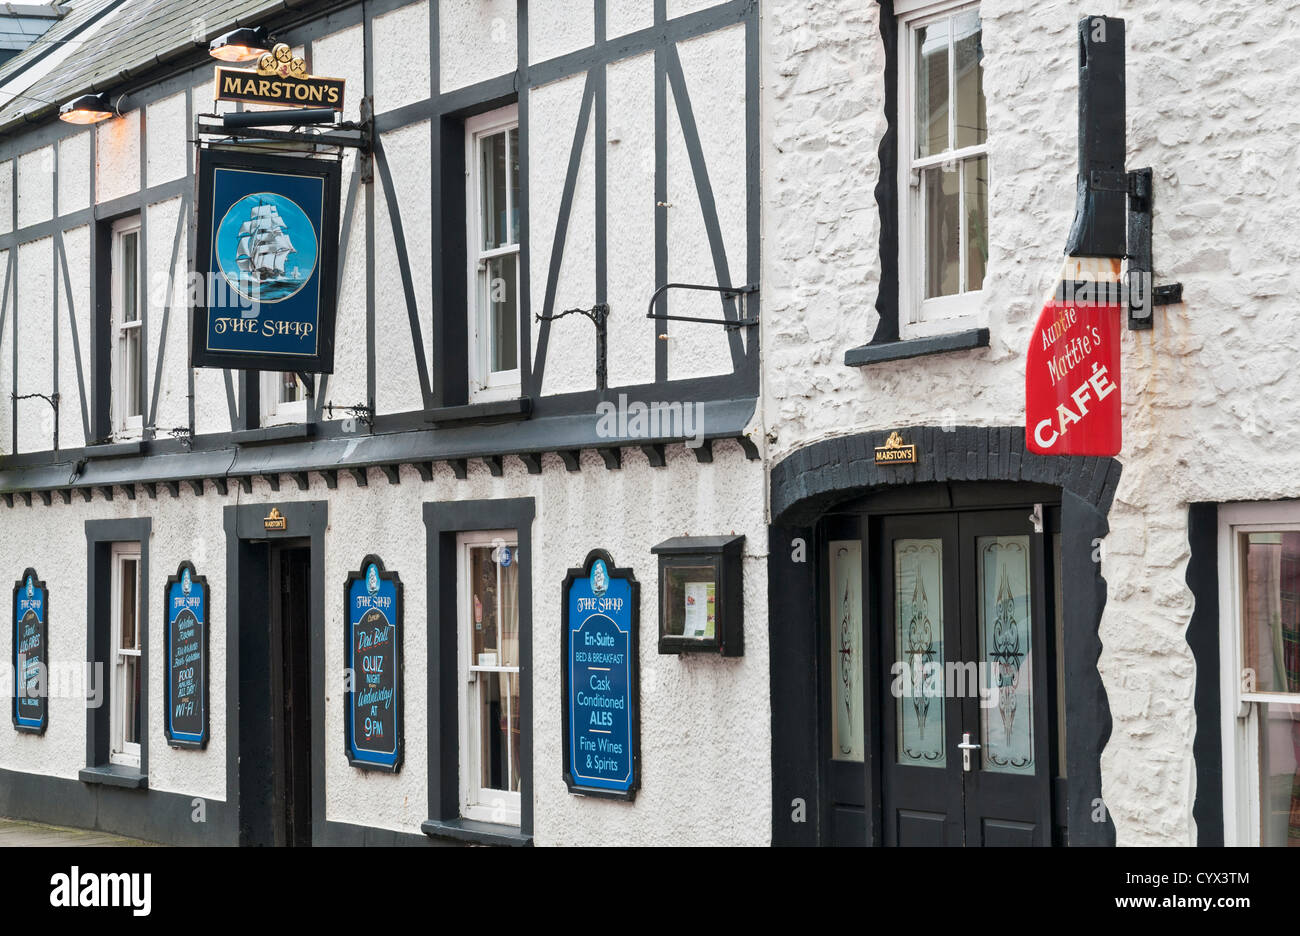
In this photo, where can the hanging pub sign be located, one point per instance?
(280, 78)
(1072, 385)
(31, 653)
(186, 600)
(601, 608)
(372, 702)
(267, 258)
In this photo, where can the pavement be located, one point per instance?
(16, 833)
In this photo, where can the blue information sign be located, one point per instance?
(268, 232)
(372, 704)
(602, 727)
(31, 658)
(187, 658)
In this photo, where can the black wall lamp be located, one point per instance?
(246, 44)
(89, 109)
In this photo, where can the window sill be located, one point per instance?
(488, 411)
(115, 449)
(916, 347)
(470, 830)
(117, 775)
(266, 434)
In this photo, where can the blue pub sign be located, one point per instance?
(602, 697)
(186, 715)
(372, 702)
(268, 245)
(31, 659)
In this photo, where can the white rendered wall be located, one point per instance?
(1215, 374)
(719, 740)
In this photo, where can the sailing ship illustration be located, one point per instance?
(262, 252)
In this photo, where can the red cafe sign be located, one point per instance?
(1072, 397)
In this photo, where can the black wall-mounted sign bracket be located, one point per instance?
(53, 400)
(599, 316)
(728, 292)
(1113, 208)
(251, 128)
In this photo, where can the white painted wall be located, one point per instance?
(721, 738)
(1214, 375)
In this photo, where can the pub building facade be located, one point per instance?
(660, 429)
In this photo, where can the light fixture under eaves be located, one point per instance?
(87, 109)
(245, 44)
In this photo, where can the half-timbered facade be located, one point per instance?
(628, 279)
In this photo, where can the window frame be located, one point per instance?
(274, 412)
(124, 752)
(919, 317)
(485, 384)
(126, 427)
(472, 794)
(1239, 711)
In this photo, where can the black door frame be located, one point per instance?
(246, 607)
(811, 481)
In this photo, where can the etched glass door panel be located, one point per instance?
(1006, 668)
(846, 650)
(918, 639)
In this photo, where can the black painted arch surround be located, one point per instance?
(811, 480)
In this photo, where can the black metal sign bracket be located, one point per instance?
(728, 292)
(1113, 208)
(599, 316)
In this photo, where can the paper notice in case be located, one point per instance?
(698, 621)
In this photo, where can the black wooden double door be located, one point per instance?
(957, 712)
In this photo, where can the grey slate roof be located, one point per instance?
(142, 35)
(60, 33)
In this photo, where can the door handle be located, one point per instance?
(966, 747)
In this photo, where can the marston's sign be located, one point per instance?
(894, 452)
(280, 78)
(1072, 398)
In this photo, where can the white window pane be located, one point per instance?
(499, 732)
(131, 700)
(1279, 774)
(492, 169)
(130, 278)
(290, 388)
(932, 88)
(1271, 611)
(977, 225)
(940, 206)
(514, 185)
(968, 67)
(127, 629)
(502, 309)
(130, 375)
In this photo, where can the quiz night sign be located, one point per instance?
(267, 248)
(599, 670)
(31, 657)
(372, 704)
(186, 600)
(1072, 379)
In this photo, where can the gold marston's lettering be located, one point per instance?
(238, 86)
(268, 328)
(905, 454)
